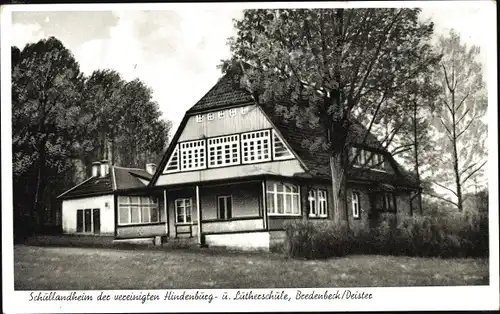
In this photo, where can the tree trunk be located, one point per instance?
(455, 156)
(417, 161)
(40, 185)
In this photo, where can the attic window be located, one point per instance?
(199, 118)
(193, 155)
(173, 163)
(223, 151)
(255, 146)
(221, 114)
(232, 112)
(210, 116)
(280, 151)
(244, 110)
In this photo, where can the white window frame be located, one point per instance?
(244, 110)
(356, 204)
(272, 189)
(318, 197)
(92, 226)
(174, 156)
(232, 112)
(199, 118)
(221, 114)
(277, 140)
(218, 145)
(210, 116)
(185, 208)
(197, 149)
(143, 202)
(225, 198)
(250, 140)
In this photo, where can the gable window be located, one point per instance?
(183, 210)
(244, 110)
(224, 207)
(255, 146)
(210, 116)
(280, 151)
(193, 155)
(88, 220)
(232, 112)
(356, 205)
(317, 203)
(223, 151)
(137, 210)
(173, 163)
(283, 199)
(378, 162)
(221, 114)
(199, 118)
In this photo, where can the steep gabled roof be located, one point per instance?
(119, 178)
(227, 92)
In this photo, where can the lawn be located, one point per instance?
(69, 268)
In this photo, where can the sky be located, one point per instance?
(176, 52)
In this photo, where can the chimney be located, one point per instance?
(95, 168)
(104, 167)
(151, 168)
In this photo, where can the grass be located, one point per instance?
(70, 268)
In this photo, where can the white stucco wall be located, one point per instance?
(69, 208)
(242, 241)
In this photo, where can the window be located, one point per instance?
(280, 151)
(221, 114)
(255, 146)
(355, 205)
(378, 162)
(88, 220)
(232, 112)
(224, 207)
(173, 163)
(223, 151)
(283, 199)
(199, 118)
(137, 210)
(317, 203)
(244, 110)
(210, 116)
(388, 202)
(193, 155)
(183, 210)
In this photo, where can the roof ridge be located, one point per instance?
(127, 168)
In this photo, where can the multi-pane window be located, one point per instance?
(317, 203)
(224, 207)
(199, 118)
(232, 112)
(193, 155)
(223, 151)
(137, 210)
(221, 114)
(210, 116)
(173, 163)
(88, 220)
(255, 146)
(283, 199)
(367, 159)
(355, 205)
(244, 110)
(183, 210)
(280, 151)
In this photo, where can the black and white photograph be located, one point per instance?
(239, 156)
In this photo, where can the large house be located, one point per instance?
(233, 174)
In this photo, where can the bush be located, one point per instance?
(452, 235)
(317, 239)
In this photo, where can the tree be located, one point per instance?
(46, 84)
(461, 153)
(324, 68)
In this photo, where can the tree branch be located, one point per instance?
(466, 127)
(446, 188)
(473, 172)
(442, 198)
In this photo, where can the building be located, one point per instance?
(235, 172)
